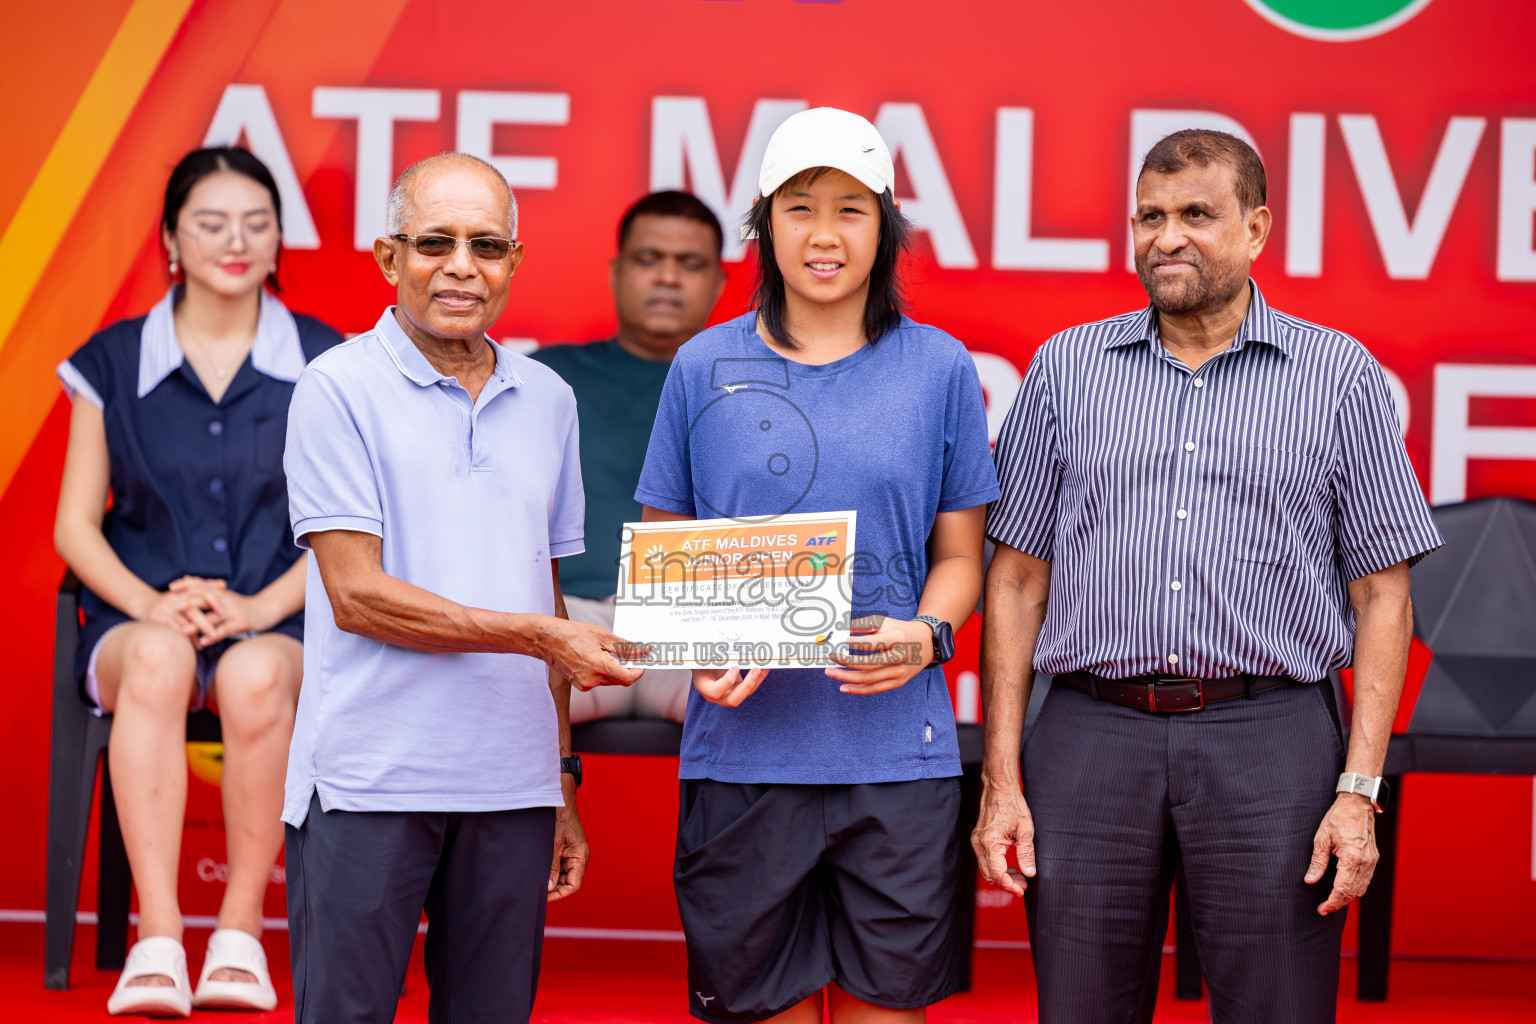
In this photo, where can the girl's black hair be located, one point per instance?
(885, 304)
(199, 164)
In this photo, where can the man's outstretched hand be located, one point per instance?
(1348, 832)
(1004, 822)
(589, 655)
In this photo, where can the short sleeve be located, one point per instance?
(331, 482)
(666, 481)
(1028, 468)
(969, 479)
(568, 510)
(87, 374)
(1381, 513)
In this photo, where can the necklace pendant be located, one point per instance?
(222, 373)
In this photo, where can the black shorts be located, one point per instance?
(784, 889)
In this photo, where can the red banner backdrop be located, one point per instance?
(1400, 139)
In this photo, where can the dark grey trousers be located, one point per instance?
(1237, 790)
(357, 884)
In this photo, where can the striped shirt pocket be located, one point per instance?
(1276, 497)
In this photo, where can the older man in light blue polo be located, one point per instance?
(436, 477)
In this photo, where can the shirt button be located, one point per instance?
(215, 486)
(1173, 659)
(1176, 585)
(1183, 513)
(1199, 383)
(215, 427)
(220, 545)
(1189, 446)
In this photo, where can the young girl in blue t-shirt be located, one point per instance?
(815, 841)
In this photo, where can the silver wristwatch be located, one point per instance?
(1373, 788)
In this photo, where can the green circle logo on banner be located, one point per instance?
(1338, 21)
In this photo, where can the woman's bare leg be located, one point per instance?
(146, 676)
(256, 687)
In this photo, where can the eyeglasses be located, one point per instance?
(482, 247)
(216, 236)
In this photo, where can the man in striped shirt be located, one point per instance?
(1206, 508)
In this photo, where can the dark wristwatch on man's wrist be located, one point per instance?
(943, 639)
(572, 766)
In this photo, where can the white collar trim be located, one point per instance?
(276, 351)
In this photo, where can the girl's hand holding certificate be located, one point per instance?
(727, 687)
(887, 655)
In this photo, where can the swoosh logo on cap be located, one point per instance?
(867, 149)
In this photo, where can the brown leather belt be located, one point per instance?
(1158, 693)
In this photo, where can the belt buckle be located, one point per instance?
(1159, 681)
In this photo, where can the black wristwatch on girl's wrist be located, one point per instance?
(572, 766)
(943, 639)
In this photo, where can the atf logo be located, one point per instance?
(822, 539)
(1338, 21)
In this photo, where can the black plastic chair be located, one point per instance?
(652, 736)
(79, 742)
(1476, 712)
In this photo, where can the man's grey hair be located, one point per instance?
(399, 210)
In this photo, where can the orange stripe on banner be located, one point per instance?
(113, 265)
(80, 150)
(46, 72)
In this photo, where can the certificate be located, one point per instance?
(716, 593)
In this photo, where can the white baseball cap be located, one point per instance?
(826, 137)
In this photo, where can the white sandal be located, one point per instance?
(156, 954)
(234, 950)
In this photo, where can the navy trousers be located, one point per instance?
(1237, 790)
(357, 884)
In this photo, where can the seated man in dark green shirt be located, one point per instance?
(666, 280)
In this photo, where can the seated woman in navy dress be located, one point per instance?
(194, 590)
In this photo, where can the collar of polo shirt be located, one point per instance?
(413, 364)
